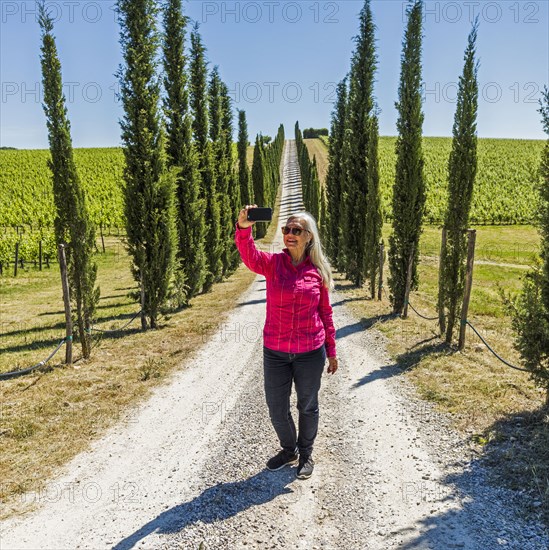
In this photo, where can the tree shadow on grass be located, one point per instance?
(99, 306)
(430, 346)
(32, 330)
(217, 503)
(46, 343)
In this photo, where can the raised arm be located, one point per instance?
(254, 259)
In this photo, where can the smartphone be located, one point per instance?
(260, 214)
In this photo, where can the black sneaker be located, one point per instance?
(281, 459)
(305, 468)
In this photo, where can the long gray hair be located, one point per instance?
(314, 248)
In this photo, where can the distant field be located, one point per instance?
(506, 178)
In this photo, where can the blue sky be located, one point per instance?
(281, 61)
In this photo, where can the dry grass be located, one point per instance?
(48, 417)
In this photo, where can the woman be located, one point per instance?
(299, 332)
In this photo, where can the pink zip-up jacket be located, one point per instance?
(299, 314)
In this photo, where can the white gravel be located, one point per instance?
(186, 469)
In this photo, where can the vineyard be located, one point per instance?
(505, 192)
(505, 185)
(27, 209)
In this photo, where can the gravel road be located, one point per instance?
(186, 468)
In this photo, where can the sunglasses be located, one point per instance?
(293, 230)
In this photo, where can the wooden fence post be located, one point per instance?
(16, 259)
(102, 237)
(381, 263)
(142, 291)
(67, 302)
(408, 283)
(441, 317)
(472, 237)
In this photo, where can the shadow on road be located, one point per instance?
(407, 360)
(364, 324)
(216, 503)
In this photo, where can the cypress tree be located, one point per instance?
(543, 221)
(246, 191)
(72, 222)
(530, 309)
(191, 255)
(335, 176)
(258, 179)
(235, 200)
(462, 168)
(221, 130)
(374, 218)
(220, 167)
(269, 183)
(360, 111)
(409, 185)
(324, 228)
(315, 191)
(304, 167)
(199, 104)
(150, 188)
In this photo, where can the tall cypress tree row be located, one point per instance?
(258, 179)
(335, 177)
(72, 223)
(359, 168)
(374, 217)
(409, 186)
(310, 181)
(150, 188)
(246, 191)
(199, 104)
(191, 255)
(267, 172)
(462, 168)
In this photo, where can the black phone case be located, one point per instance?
(260, 214)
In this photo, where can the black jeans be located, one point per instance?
(305, 369)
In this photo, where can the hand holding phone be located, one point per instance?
(243, 221)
